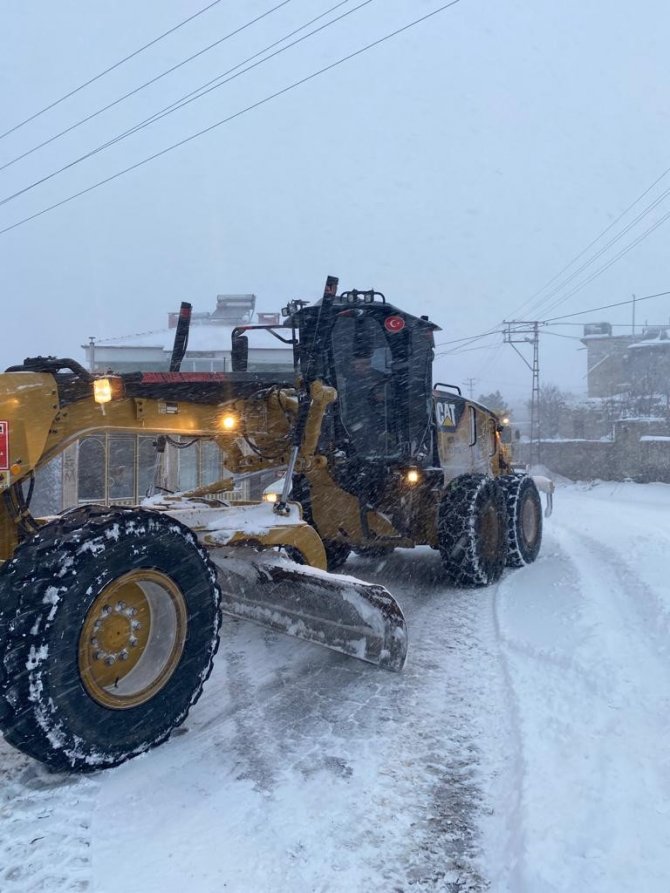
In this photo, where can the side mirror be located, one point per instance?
(239, 354)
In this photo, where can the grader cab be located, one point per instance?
(398, 460)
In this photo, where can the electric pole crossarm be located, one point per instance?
(512, 343)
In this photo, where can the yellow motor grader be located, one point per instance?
(109, 617)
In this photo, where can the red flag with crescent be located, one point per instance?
(394, 324)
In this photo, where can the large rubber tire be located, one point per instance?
(109, 623)
(472, 530)
(524, 519)
(336, 554)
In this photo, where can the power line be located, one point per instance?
(660, 294)
(544, 323)
(560, 335)
(601, 234)
(110, 68)
(617, 257)
(457, 351)
(143, 86)
(468, 338)
(494, 351)
(464, 348)
(605, 247)
(201, 91)
(556, 320)
(614, 325)
(232, 117)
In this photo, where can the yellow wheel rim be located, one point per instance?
(132, 639)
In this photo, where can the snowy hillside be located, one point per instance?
(524, 747)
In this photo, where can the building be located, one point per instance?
(637, 365)
(622, 429)
(209, 343)
(648, 364)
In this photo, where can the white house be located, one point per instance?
(209, 343)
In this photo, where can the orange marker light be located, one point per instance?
(102, 390)
(229, 421)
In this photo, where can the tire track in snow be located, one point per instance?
(452, 755)
(626, 634)
(255, 759)
(430, 764)
(647, 612)
(592, 685)
(46, 827)
(393, 759)
(512, 778)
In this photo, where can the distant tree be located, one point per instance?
(494, 401)
(553, 404)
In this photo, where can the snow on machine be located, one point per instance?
(109, 616)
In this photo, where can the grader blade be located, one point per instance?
(359, 619)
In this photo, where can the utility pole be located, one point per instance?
(633, 314)
(471, 382)
(528, 332)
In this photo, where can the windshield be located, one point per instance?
(362, 360)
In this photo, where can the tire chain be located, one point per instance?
(456, 507)
(511, 487)
(20, 574)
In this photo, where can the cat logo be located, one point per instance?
(445, 413)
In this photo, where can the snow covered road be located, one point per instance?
(524, 747)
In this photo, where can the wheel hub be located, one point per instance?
(120, 630)
(529, 523)
(132, 638)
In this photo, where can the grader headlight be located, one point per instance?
(412, 476)
(229, 422)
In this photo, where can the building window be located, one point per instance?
(204, 364)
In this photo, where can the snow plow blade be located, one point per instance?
(359, 619)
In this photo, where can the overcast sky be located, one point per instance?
(457, 167)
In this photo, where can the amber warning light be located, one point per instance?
(106, 389)
(102, 390)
